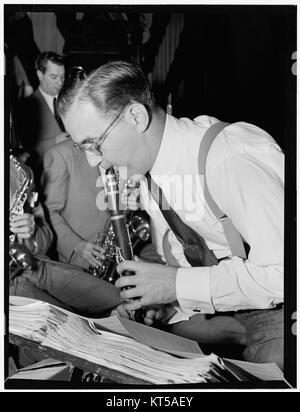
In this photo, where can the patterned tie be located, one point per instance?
(57, 116)
(194, 246)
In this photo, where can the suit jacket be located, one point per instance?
(39, 126)
(69, 186)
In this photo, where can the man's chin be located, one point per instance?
(104, 164)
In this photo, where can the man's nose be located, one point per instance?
(60, 81)
(93, 159)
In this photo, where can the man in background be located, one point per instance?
(42, 127)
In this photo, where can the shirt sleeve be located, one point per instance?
(252, 196)
(55, 187)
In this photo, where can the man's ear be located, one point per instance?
(39, 75)
(138, 116)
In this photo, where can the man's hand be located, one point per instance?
(61, 137)
(151, 315)
(23, 226)
(90, 251)
(154, 314)
(152, 284)
(131, 193)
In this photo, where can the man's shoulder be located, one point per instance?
(194, 127)
(64, 149)
(205, 120)
(34, 99)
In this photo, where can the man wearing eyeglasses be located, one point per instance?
(214, 294)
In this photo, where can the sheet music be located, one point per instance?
(72, 334)
(69, 333)
(153, 337)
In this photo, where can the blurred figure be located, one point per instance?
(42, 127)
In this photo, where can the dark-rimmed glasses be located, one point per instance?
(93, 144)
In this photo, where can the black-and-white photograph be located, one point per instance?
(150, 231)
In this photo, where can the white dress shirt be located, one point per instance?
(245, 173)
(49, 99)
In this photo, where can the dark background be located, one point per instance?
(232, 62)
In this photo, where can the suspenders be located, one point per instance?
(233, 237)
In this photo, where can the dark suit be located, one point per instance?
(69, 186)
(39, 126)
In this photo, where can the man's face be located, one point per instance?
(52, 80)
(84, 121)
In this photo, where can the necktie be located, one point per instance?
(57, 116)
(194, 246)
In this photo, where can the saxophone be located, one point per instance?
(138, 228)
(106, 269)
(19, 256)
(139, 232)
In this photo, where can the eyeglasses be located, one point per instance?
(93, 144)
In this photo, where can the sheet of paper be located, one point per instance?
(153, 337)
(51, 373)
(47, 369)
(45, 363)
(159, 339)
(264, 371)
(20, 300)
(111, 324)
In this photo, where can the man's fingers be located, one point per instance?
(92, 260)
(25, 216)
(22, 228)
(24, 235)
(130, 292)
(122, 312)
(150, 316)
(131, 196)
(134, 304)
(91, 252)
(125, 281)
(148, 321)
(97, 253)
(99, 249)
(132, 205)
(21, 223)
(159, 314)
(127, 265)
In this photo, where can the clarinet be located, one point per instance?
(124, 249)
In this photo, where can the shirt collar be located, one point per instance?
(48, 98)
(46, 95)
(169, 147)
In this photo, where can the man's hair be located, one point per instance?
(110, 88)
(43, 58)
